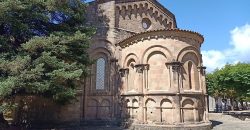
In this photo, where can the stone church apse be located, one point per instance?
(148, 73)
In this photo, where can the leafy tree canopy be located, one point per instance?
(232, 81)
(43, 45)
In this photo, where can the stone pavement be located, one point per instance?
(227, 122)
(219, 122)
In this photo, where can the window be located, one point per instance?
(100, 74)
(190, 76)
(146, 23)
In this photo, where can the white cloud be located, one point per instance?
(241, 42)
(238, 52)
(213, 59)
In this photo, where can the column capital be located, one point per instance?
(176, 65)
(141, 67)
(124, 71)
(202, 69)
(114, 60)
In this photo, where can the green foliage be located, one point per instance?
(7, 107)
(232, 81)
(43, 45)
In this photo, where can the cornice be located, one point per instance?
(153, 2)
(163, 15)
(164, 10)
(155, 34)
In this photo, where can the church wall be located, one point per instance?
(162, 89)
(72, 112)
(122, 34)
(100, 101)
(156, 78)
(37, 110)
(163, 50)
(132, 15)
(101, 92)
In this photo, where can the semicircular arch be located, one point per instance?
(157, 48)
(130, 57)
(188, 103)
(166, 103)
(102, 43)
(105, 102)
(100, 50)
(189, 53)
(93, 102)
(150, 102)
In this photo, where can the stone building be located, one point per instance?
(148, 72)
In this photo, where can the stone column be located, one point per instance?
(175, 67)
(205, 93)
(124, 78)
(145, 89)
(146, 68)
(141, 70)
(202, 71)
(114, 88)
(202, 78)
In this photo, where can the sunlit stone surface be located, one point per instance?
(148, 73)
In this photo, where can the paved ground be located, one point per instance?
(227, 122)
(219, 122)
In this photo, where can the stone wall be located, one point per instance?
(139, 17)
(35, 111)
(151, 73)
(163, 78)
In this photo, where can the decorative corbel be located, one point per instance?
(176, 68)
(124, 72)
(141, 67)
(176, 65)
(202, 69)
(146, 66)
(113, 60)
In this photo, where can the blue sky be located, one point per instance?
(212, 18)
(225, 25)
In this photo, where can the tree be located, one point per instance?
(43, 45)
(232, 80)
(215, 89)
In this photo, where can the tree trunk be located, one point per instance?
(236, 105)
(226, 108)
(216, 104)
(232, 104)
(242, 105)
(246, 105)
(3, 122)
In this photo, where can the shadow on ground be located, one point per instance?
(215, 123)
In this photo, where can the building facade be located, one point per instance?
(148, 72)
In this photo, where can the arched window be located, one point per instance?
(131, 76)
(193, 76)
(190, 74)
(100, 74)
